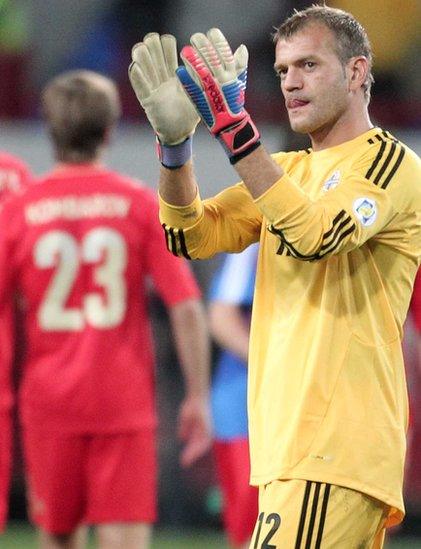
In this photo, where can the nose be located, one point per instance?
(292, 80)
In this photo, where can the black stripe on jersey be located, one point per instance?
(173, 245)
(170, 239)
(304, 506)
(390, 136)
(385, 164)
(395, 167)
(334, 222)
(385, 138)
(377, 159)
(313, 515)
(322, 517)
(183, 247)
(290, 247)
(281, 248)
(370, 141)
(338, 236)
(167, 237)
(343, 235)
(174, 237)
(339, 230)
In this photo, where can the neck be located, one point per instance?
(350, 125)
(96, 163)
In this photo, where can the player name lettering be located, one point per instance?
(77, 207)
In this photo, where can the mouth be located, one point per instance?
(294, 104)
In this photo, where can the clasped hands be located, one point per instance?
(209, 86)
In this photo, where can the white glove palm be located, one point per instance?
(152, 76)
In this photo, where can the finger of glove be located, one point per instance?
(196, 94)
(169, 47)
(241, 58)
(153, 42)
(140, 84)
(223, 49)
(195, 65)
(209, 55)
(142, 57)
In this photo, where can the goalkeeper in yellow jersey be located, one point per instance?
(339, 227)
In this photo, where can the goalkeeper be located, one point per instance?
(340, 244)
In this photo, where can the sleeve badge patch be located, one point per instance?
(366, 211)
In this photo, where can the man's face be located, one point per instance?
(313, 80)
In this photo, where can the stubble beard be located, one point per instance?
(323, 117)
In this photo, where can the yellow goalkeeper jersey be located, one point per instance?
(340, 244)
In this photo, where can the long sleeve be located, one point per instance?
(228, 222)
(369, 201)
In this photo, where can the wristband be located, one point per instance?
(174, 156)
(240, 139)
(235, 158)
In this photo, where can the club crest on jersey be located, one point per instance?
(366, 211)
(333, 181)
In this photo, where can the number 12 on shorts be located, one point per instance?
(274, 521)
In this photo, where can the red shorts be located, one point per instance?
(84, 479)
(240, 500)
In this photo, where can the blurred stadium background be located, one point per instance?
(40, 38)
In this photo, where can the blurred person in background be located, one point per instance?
(14, 178)
(340, 243)
(14, 57)
(230, 301)
(393, 27)
(15, 175)
(81, 247)
(413, 366)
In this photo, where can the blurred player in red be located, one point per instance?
(413, 365)
(230, 302)
(416, 304)
(14, 177)
(80, 247)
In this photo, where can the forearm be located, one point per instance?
(229, 328)
(258, 171)
(178, 187)
(189, 329)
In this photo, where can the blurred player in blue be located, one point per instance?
(230, 302)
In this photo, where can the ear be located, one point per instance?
(357, 70)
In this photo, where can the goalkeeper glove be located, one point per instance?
(215, 80)
(169, 111)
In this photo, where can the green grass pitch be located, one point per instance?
(22, 536)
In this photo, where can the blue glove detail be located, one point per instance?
(196, 94)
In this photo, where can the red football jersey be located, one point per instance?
(80, 246)
(416, 302)
(14, 175)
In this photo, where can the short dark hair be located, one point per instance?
(79, 107)
(351, 37)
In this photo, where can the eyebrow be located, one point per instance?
(278, 66)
